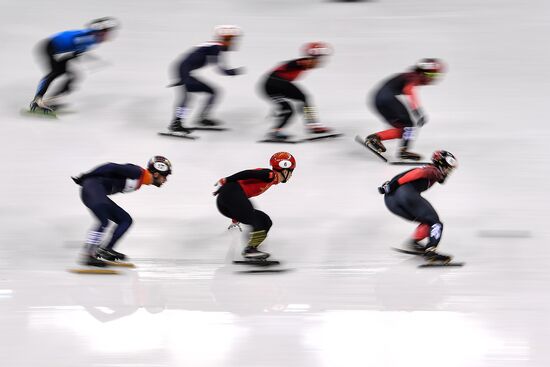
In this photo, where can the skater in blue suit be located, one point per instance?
(63, 47)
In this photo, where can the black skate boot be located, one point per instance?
(251, 252)
(374, 142)
(177, 126)
(405, 154)
(414, 246)
(110, 255)
(208, 122)
(277, 134)
(90, 260)
(432, 256)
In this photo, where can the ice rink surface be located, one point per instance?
(346, 300)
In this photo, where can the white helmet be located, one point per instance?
(103, 24)
(227, 31)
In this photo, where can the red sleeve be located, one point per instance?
(410, 92)
(427, 172)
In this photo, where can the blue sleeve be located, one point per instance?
(111, 170)
(74, 41)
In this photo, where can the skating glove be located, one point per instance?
(388, 187)
(218, 185)
(419, 116)
(77, 180)
(235, 224)
(236, 71)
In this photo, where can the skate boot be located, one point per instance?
(90, 260)
(177, 126)
(38, 105)
(251, 252)
(432, 256)
(208, 122)
(317, 128)
(277, 134)
(110, 254)
(405, 154)
(374, 142)
(414, 246)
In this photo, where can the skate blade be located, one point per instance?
(178, 134)
(93, 271)
(208, 128)
(255, 271)
(282, 141)
(40, 114)
(441, 265)
(362, 142)
(408, 252)
(257, 262)
(121, 264)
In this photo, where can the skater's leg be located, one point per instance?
(275, 91)
(93, 195)
(68, 86)
(181, 111)
(233, 203)
(195, 85)
(57, 68)
(426, 214)
(123, 221)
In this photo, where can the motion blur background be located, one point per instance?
(348, 300)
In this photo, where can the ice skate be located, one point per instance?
(374, 142)
(206, 122)
(90, 260)
(177, 126)
(252, 253)
(405, 154)
(110, 254)
(317, 128)
(37, 105)
(432, 256)
(277, 134)
(414, 246)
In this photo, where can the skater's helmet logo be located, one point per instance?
(451, 161)
(160, 166)
(285, 164)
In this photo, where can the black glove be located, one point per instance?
(77, 180)
(388, 187)
(419, 116)
(236, 71)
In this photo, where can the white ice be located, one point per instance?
(348, 299)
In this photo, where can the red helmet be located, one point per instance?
(282, 160)
(315, 49)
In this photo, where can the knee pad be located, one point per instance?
(408, 133)
(436, 231)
